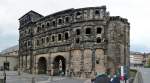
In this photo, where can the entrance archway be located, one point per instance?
(59, 65)
(42, 66)
(6, 65)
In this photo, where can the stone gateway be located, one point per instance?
(73, 42)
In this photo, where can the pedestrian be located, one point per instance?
(101, 76)
(113, 77)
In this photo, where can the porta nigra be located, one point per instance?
(73, 41)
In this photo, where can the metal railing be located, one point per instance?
(137, 78)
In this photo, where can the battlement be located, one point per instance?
(118, 18)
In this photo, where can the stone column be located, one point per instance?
(52, 70)
(67, 69)
(52, 65)
(21, 62)
(49, 64)
(82, 63)
(69, 64)
(26, 62)
(36, 65)
(105, 60)
(93, 60)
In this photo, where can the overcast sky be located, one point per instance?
(136, 11)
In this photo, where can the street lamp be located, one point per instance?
(4, 65)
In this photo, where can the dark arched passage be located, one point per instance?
(59, 65)
(42, 66)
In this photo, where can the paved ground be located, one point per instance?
(145, 74)
(12, 77)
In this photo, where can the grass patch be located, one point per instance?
(132, 72)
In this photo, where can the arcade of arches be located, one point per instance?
(59, 66)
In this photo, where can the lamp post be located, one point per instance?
(4, 73)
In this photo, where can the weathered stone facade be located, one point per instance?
(81, 38)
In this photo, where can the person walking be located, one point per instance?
(114, 78)
(101, 76)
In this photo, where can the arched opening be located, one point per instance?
(43, 26)
(6, 65)
(60, 21)
(59, 65)
(99, 30)
(48, 24)
(53, 38)
(59, 37)
(42, 66)
(77, 40)
(67, 19)
(98, 40)
(78, 31)
(38, 29)
(88, 30)
(54, 23)
(97, 12)
(66, 36)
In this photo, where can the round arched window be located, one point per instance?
(66, 36)
(88, 30)
(98, 40)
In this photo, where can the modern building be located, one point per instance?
(136, 59)
(147, 59)
(74, 41)
(9, 57)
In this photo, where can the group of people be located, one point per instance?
(109, 75)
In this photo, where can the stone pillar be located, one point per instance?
(20, 63)
(68, 69)
(49, 64)
(26, 62)
(52, 70)
(23, 63)
(82, 63)
(52, 65)
(105, 60)
(36, 65)
(93, 60)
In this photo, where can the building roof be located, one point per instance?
(31, 11)
(10, 49)
(136, 53)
